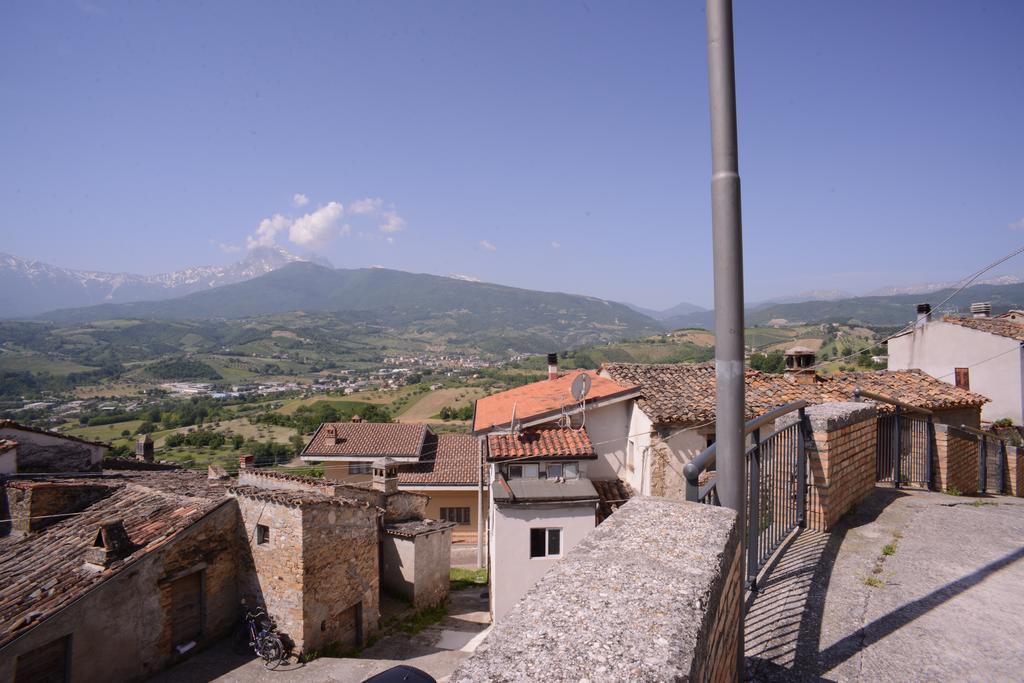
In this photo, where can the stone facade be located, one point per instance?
(956, 460)
(41, 451)
(314, 566)
(35, 505)
(121, 629)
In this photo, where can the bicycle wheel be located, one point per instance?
(271, 650)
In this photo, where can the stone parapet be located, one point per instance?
(652, 594)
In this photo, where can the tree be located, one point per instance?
(773, 361)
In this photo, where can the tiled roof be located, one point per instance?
(455, 463)
(417, 527)
(41, 573)
(1002, 327)
(685, 392)
(11, 424)
(371, 440)
(540, 443)
(542, 398)
(612, 494)
(290, 497)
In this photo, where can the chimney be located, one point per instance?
(982, 309)
(144, 448)
(924, 314)
(385, 476)
(357, 418)
(246, 462)
(552, 366)
(800, 365)
(111, 544)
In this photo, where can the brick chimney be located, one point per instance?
(357, 418)
(800, 365)
(144, 448)
(111, 544)
(552, 366)
(246, 462)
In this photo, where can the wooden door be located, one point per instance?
(186, 608)
(46, 664)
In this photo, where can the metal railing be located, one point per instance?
(777, 484)
(999, 456)
(905, 442)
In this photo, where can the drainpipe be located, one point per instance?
(728, 262)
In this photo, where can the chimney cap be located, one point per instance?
(924, 308)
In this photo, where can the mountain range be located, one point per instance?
(29, 288)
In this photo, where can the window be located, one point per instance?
(262, 534)
(457, 515)
(522, 471)
(963, 378)
(571, 470)
(553, 470)
(630, 455)
(545, 542)
(360, 467)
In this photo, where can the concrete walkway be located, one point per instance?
(437, 649)
(944, 602)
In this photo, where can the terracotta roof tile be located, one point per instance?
(684, 393)
(456, 462)
(540, 443)
(369, 440)
(541, 398)
(41, 573)
(1002, 327)
(612, 494)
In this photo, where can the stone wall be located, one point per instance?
(42, 452)
(841, 456)
(120, 630)
(35, 505)
(652, 594)
(956, 460)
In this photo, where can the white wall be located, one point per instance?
(637, 470)
(513, 571)
(607, 427)
(994, 362)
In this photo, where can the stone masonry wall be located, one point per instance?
(341, 581)
(841, 456)
(956, 459)
(272, 571)
(652, 594)
(33, 505)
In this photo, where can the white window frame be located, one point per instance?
(549, 532)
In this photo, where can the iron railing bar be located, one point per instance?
(777, 432)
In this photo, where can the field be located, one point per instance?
(426, 409)
(39, 363)
(105, 433)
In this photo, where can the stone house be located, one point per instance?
(982, 354)
(40, 450)
(674, 419)
(115, 575)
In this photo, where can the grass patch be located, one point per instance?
(953, 491)
(422, 619)
(873, 581)
(466, 578)
(889, 549)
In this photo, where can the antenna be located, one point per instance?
(581, 386)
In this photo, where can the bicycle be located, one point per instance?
(264, 639)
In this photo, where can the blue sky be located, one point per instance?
(549, 145)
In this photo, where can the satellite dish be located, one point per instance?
(580, 386)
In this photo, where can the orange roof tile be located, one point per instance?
(540, 443)
(538, 399)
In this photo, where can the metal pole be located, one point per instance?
(728, 259)
(1002, 467)
(801, 471)
(929, 436)
(755, 512)
(983, 466)
(896, 471)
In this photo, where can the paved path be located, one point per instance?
(946, 605)
(437, 649)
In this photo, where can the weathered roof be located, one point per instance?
(685, 392)
(1001, 327)
(41, 573)
(543, 442)
(541, 490)
(417, 527)
(11, 424)
(370, 440)
(539, 399)
(7, 444)
(291, 497)
(455, 463)
(612, 494)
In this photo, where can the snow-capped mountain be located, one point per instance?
(930, 287)
(32, 287)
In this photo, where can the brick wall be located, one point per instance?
(1015, 471)
(720, 664)
(956, 460)
(841, 456)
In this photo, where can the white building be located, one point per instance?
(982, 354)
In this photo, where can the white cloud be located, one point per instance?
(315, 230)
(267, 231)
(556, 245)
(1017, 225)
(484, 244)
(229, 248)
(365, 206)
(299, 199)
(392, 222)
